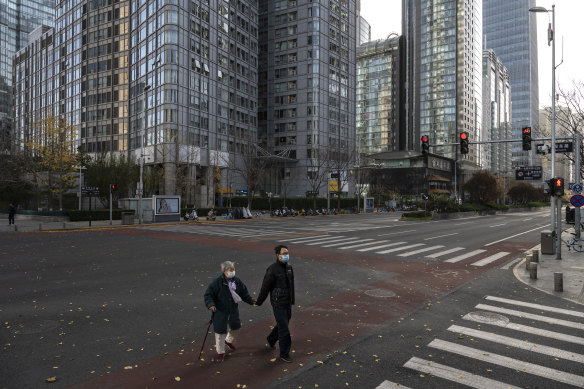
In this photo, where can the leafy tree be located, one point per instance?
(482, 187)
(523, 193)
(106, 169)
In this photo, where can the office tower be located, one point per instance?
(364, 29)
(173, 82)
(17, 19)
(496, 115)
(510, 30)
(444, 52)
(307, 90)
(379, 95)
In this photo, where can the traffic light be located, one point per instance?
(526, 138)
(558, 184)
(425, 145)
(464, 142)
(113, 188)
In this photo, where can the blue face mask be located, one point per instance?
(285, 258)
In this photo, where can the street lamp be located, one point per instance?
(141, 186)
(552, 40)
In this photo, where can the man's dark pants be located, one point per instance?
(281, 332)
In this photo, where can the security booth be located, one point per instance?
(166, 208)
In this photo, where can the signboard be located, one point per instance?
(577, 200)
(166, 205)
(561, 147)
(90, 190)
(577, 188)
(241, 192)
(528, 173)
(425, 196)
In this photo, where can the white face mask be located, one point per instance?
(231, 274)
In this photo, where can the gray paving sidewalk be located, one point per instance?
(571, 266)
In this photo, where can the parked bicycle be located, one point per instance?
(574, 243)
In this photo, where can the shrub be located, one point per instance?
(97, 214)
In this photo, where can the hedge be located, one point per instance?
(98, 214)
(297, 203)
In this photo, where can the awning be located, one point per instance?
(436, 177)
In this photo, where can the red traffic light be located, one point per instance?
(463, 136)
(424, 139)
(558, 182)
(527, 131)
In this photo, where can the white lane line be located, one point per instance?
(462, 224)
(464, 256)
(441, 236)
(317, 239)
(395, 233)
(441, 253)
(512, 263)
(513, 236)
(382, 246)
(536, 306)
(455, 375)
(390, 385)
(520, 344)
(410, 253)
(531, 330)
(363, 244)
(501, 360)
(492, 258)
(497, 225)
(545, 319)
(400, 248)
(345, 241)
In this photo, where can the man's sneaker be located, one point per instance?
(270, 344)
(286, 358)
(220, 357)
(231, 345)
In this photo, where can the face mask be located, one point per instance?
(231, 274)
(285, 258)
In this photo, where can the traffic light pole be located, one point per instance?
(578, 169)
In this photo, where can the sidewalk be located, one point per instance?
(571, 266)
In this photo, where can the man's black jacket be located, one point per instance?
(279, 282)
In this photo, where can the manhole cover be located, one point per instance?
(380, 293)
(488, 318)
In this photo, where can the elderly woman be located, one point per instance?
(221, 298)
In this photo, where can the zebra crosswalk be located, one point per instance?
(542, 342)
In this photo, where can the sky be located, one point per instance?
(384, 16)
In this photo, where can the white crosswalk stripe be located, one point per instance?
(400, 248)
(479, 346)
(380, 247)
(445, 252)
(363, 244)
(346, 241)
(334, 239)
(410, 253)
(464, 256)
(492, 258)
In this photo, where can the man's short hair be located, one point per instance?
(226, 265)
(279, 248)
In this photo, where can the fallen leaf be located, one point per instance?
(51, 379)
(177, 378)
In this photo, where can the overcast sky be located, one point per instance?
(385, 17)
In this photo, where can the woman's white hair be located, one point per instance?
(226, 265)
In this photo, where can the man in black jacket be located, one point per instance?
(279, 282)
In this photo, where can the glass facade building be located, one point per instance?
(379, 96)
(18, 18)
(364, 29)
(307, 88)
(444, 69)
(510, 30)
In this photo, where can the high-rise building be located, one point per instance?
(174, 82)
(510, 30)
(364, 29)
(17, 19)
(379, 96)
(444, 68)
(496, 115)
(307, 89)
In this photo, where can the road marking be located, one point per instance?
(345, 241)
(520, 344)
(536, 306)
(513, 236)
(526, 367)
(498, 225)
(492, 258)
(436, 255)
(512, 263)
(399, 248)
(452, 374)
(394, 233)
(390, 385)
(382, 246)
(532, 330)
(464, 256)
(441, 236)
(320, 238)
(410, 253)
(545, 319)
(462, 224)
(363, 244)
(300, 239)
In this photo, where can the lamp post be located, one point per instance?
(141, 186)
(552, 40)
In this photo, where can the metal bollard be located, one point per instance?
(64, 226)
(535, 256)
(558, 282)
(40, 226)
(527, 261)
(15, 228)
(533, 271)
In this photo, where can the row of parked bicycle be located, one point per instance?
(284, 212)
(244, 213)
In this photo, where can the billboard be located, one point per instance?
(166, 205)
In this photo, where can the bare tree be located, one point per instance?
(317, 171)
(570, 114)
(341, 163)
(250, 166)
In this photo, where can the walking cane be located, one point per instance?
(206, 333)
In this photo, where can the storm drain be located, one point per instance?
(380, 293)
(488, 318)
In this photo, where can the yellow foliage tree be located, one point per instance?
(52, 147)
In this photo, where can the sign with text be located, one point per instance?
(528, 173)
(561, 147)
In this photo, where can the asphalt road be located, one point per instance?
(123, 307)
